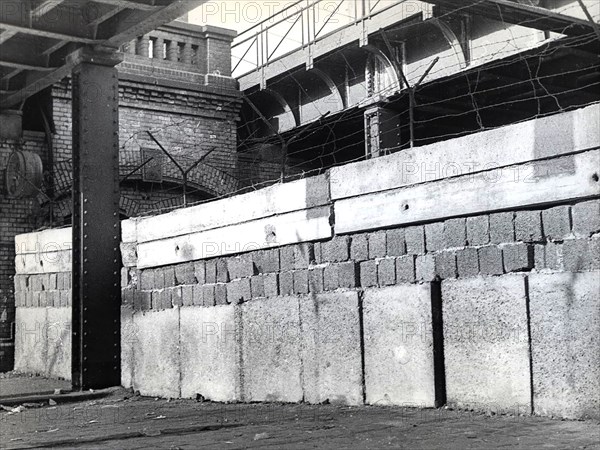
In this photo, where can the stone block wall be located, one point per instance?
(282, 295)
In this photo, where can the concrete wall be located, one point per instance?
(292, 293)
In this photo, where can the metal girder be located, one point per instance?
(520, 14)
(96, 343)
(107, 23)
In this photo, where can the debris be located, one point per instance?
(51, 402)
(259, 436)
(57, 391)
(160, 417)
(93, 421)
(33, 405)
(200, 398)
(53, 430)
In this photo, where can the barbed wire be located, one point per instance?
(339, 138)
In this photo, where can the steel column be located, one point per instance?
(96, 353)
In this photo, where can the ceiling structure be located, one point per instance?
(38, 36)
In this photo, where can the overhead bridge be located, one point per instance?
(374, 76)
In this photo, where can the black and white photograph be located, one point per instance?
(300, 224)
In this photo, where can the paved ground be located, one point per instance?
(125, 421)
(13, 384)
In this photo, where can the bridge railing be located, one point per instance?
(299, 25)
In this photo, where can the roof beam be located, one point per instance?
(130, 4)
(521, 14)
(119, 29)
(47, 34)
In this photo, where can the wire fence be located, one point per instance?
(441, 97)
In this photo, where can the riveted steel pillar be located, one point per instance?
(96, 353)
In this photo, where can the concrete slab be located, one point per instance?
(156, 353)
(271, 363)
(565, 342)
(399, 367)
(129, 336)
(331, 353)
(486, 343)
(210, 353)
(31, 345)
(58, 332)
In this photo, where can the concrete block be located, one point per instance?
(528, 226)
(159, 278)
(222, 271)
(386, 271)
(425, 268)
(331, 277)
(445, 264)
(502, 229)
(318, 249)
(142, 301)
(169, 274)
(398, 346)
(478, 230)
(577, 256)
(396, 242)
(187, 295)
(331, 348)
(257, 285)
(208, 295)
(348, 274)
(434, 236)
(271, 345)
(556, 223)
(58, 335)
(31, 344)
(539, 256)
(304, 255)
(239, 291)
(286, 283)
(176, 296)
(377, 245)
(490, 260)
(415, 240)
(316, 280)
(300, 281)
(266, 261)
(185, 274)
(455, 233)
(240, 267)
(368, 274)
(359, 247)
(147, 279)
(156, 353)
(486, 343)
(128, 336)
(405, 269)
(565, 344)
(467, 262)
(586, 218)
(211, 271)
(271, 283)
(336, 250)
(210, 353)
(220, 294)
(286, 258)
(517, 257)
(200, 272)
(554, 256)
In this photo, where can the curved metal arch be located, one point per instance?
(390, 69)
(342, 102)
(453, 41)
(283, 103)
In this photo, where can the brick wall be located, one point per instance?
(16, 216)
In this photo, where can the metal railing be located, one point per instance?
(299, 25)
